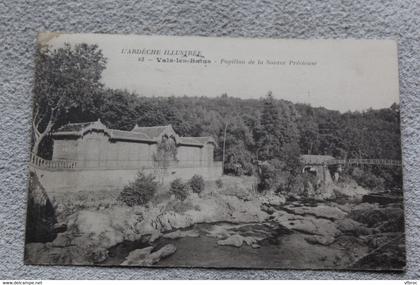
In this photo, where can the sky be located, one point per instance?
(344, 75)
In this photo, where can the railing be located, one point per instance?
(39, 162)
(54, 164)
(387, 162)
(360, 161)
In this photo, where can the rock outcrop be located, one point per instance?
(40, 215)
(321, 211)
(180, 234)
(145, 256)
(306, 224)
(351, 192)
(237, 241)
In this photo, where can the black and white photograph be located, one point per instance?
(164, 151)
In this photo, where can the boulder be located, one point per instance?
(237, 241)
(344, 207)
(145, 256)
(154, 236)
(136, 257)
(180, 234)
(374, 215)
(321, 211)
(349, 191)
(323, 240)
(349, 226)
(306, 224)
(272, 200)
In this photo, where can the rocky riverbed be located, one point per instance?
(233, 227)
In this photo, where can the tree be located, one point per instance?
(117, 110)
(238, 141)
(277, 128)
(268, 134)
(67, 87)
(165, 153)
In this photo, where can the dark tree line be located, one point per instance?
(68, 89)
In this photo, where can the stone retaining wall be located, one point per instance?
(57, 180)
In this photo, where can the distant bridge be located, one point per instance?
(326, 160)
(318, 164)
(364, 161)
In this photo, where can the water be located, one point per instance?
(279, 249)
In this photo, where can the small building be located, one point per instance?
(93, 145)
(90, 156)
(317, 165)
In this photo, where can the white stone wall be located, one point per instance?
(58, 180)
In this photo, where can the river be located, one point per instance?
(279, 249)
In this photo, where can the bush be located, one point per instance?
(197, 183)
(274, 176)
(219, 183)
(232, 168)
(179, 189)
(269, 176)
(371, 181)
(140, 191)
(367, 179)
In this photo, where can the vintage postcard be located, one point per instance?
(215, 152)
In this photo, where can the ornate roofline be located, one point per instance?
(148, 135)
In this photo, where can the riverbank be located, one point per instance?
(228, 226)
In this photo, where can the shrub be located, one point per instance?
(179, 189)
(269, 176)
(232, 168)
(371, 181)
(274, 176)
(219, 183)
(367, 179)
(197, 183)
(140, 191)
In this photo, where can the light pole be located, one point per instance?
(224, 146)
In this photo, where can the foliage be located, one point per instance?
(270, 178)
(279, 176)
(367, 179)
(277, 128)
(118, 109)
(290, 156)
(166, 152)
(239, 145)
(67, 87)
(268, 134)
(309, 183)
(219, 183)
(179, 189)
(197, 183)
(140, 191)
